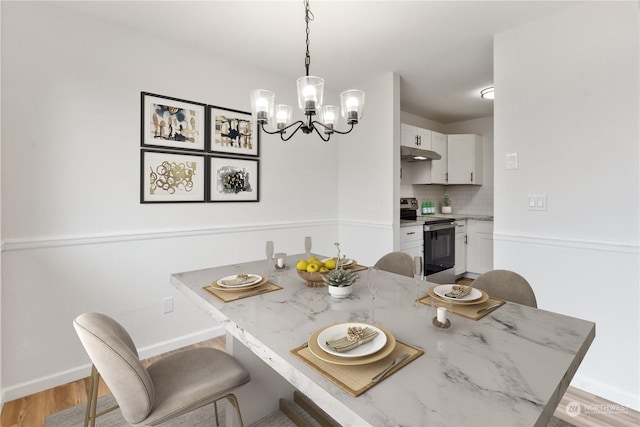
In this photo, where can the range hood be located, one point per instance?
(412, 154)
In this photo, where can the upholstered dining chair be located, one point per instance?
(172, 386)
(396, 262)
(507, 285)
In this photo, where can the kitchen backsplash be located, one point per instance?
(466, 199)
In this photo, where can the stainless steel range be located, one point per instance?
(408, 208)
(439, 250)
(438, 245)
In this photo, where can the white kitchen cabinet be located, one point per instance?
(412, 136)
(429, 171)
(479, 246)
(411, 240)
(461, 247)
(438, 170)
(464, 159)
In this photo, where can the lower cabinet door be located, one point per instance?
(461, 255)
(412, 250)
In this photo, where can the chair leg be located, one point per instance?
(90, 413)
(215, 408)
(234, 401)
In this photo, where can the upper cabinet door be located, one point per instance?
(439, 167)
(416, 137)
(407, 135)
(465, 159)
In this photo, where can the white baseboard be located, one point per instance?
(50, 381)
(606, 391)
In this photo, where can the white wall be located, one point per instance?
(567, 103)
(75, 237)
(1, 383)
(366, 176)
(421, 122)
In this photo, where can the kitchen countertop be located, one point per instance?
(420, 220)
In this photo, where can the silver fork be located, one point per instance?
(395, 362)
(491, 307)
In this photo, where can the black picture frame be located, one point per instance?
(233, 179)
(172, 123)
(172, 177)
(232, 132)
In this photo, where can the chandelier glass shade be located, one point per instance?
(487, 93)
(310, 102)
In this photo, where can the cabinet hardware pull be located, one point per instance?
(413, 232)
(471, 176)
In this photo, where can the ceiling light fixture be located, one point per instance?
(310, 90)
(487, 93)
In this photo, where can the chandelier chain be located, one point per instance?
(308, 16)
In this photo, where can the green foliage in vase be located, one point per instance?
(340, 277)
(446, 200)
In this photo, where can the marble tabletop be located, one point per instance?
(510, 368)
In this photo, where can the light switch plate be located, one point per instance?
(537, 202)
(512, 161)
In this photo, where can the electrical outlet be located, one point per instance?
(167, 305)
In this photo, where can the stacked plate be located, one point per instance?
(379, 347)
(236, 284)
(443, 293)
(344, 262)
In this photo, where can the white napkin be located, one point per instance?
(352, 341)
(458, 291)
(240, 279)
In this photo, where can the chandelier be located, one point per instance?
(310, 99)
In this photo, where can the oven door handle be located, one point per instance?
(437, 227)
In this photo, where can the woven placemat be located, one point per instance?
(468, 311)
(234, 296)
(355, 380)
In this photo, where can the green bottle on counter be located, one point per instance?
(425, 208)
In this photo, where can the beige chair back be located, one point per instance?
(114, 355)
(396, 262)
(507, 285)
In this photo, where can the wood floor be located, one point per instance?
(30, 411)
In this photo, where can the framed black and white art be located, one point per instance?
(172, 177)
(233, 180)
(232, 132)
(172, 123)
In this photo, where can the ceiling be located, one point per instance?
(442, 50)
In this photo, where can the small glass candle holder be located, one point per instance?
(281, 259)
(442, 310)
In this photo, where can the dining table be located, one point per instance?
(509, 367)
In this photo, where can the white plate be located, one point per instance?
(442, 290)
(343, 263)
(337, 331)
(252, 280)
